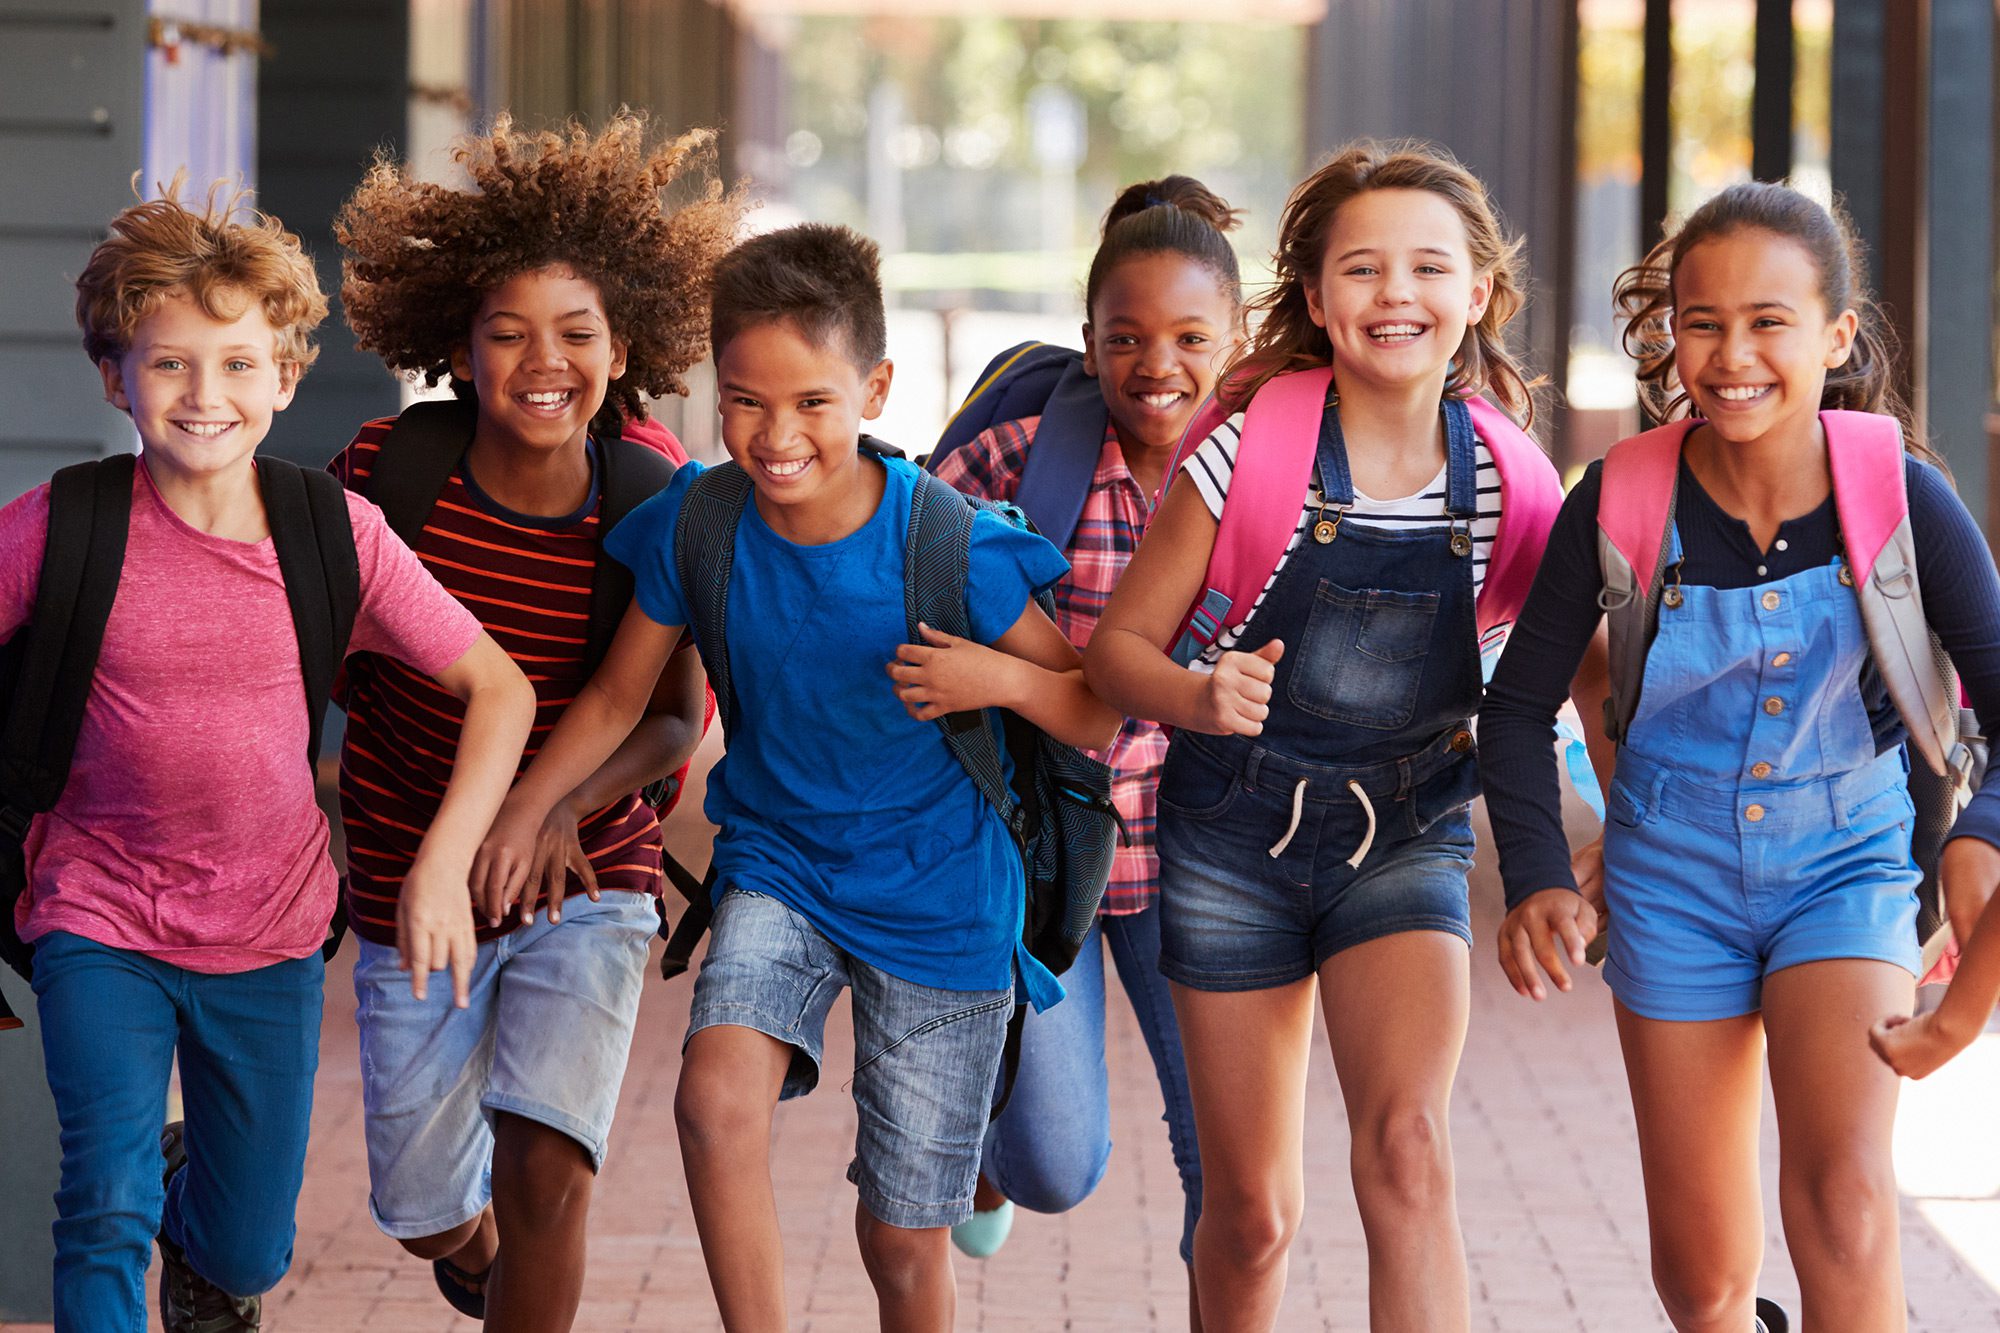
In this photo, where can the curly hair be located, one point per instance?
(421, 257)
(1287, 339)
(161, 246)
(1644, 297)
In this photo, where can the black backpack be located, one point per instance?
(48, 668)
(416, 461)
(1057, 807)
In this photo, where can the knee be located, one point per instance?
(1052, 1182)
(244, 1272)
(1249, 1230)
(540, 1174)
(713, 1112)
(1852, 1211)
(900, 1260)
(1402, 1164)
(1703, 1295)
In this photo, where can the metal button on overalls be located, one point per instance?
(1760, 769)
(1753, 813)
(1774, 705)
(1782, 659)
(1771, 600)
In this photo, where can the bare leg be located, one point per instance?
(1836, 1108)
(1396, 1065)
(911, 1270)
(1696, 1090)
(730, 1080)
(1246, 1058)
(542, 1180)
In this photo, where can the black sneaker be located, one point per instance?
(189, 1302)
(1771, 1317)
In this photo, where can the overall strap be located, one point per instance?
(90, 513)
(1635, 530)
(1461, 461)
(1055, 479)
(415, 461)
(936, 564)
(314, 537)
(628, 475)
(704, 556)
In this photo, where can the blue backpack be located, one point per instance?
(1039, 379)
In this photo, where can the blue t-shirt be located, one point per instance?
(832, 798)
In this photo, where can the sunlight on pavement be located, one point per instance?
(1945, 1164)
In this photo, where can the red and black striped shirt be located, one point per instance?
(528, 581)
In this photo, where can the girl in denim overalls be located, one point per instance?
(1313, 822)
(1756, 860)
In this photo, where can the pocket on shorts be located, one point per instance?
(1195, 787)
(1361, 658)
(1622, 808)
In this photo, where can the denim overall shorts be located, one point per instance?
(1751, 825)
(1345, 820)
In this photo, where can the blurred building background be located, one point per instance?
(980, 142)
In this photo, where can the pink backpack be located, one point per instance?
(1273, 469)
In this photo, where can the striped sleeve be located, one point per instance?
(1213, 463)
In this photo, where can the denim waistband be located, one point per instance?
(1391, 779)
(1701, 797)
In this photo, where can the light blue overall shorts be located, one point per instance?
(1751, 826)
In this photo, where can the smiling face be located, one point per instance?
(541, 357)
(200, 390)
(1397, 288)
(1753, 338)
(792, 408)
(1158, 330)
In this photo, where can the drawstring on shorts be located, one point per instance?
(1298, 810)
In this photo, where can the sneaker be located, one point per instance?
(982, 1234)
(1771, 1317)
(189, 1302)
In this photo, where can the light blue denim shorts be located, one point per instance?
(924, 1059)
(545, 1038)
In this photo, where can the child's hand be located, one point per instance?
(434, 930)
(1541, 930)
(504, 862)
(1914, 1047)
(945, 674)
(558, 851)
(1238, 696)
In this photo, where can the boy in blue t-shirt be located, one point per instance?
(853, 850)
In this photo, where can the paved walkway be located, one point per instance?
(1548, 1181)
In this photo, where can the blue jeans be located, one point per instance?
(248, 1042)
(1049, 1148)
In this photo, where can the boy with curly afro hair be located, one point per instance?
(569, 281)
(179, 893)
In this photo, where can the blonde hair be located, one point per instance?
(1287, 339)
(161, 246)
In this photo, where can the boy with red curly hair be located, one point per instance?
(179, 893)
(552, 295)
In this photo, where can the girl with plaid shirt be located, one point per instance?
(1162, 311)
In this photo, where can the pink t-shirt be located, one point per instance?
(188, 831)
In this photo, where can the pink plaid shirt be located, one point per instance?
(1115, 515)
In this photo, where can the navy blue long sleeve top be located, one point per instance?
(1961, 593)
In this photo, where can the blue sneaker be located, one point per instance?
(982, 1234)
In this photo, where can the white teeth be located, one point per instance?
(791, 469)
(1740, 393)
(1161, 400)
(207, 430)
(1395, 330)
(546, 399)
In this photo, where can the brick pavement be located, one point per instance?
(1548, 1181)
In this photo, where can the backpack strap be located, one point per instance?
(1635, 519)
(314, 537)
(1014, 384)
(1871, 496)
(1531, 494)
(628, 475)
(417, 459)
(936, 564)
(704, 557)
(1274, 463)
(1055, 479)
(90, 513)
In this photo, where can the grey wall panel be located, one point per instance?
(38, 284)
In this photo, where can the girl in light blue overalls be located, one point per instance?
(1756, 861)
(1314, 835)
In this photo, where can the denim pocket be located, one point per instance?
(1361, 658)
(1623, 809)
(1195, 787)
